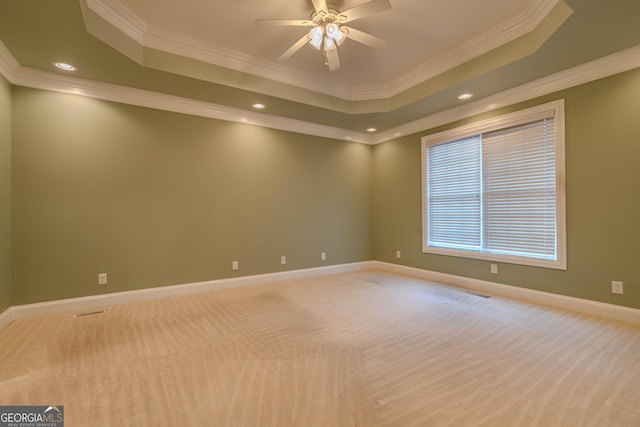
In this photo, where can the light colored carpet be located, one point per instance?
(357, 349)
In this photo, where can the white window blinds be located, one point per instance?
(519, 197)
(495, 193)
(454, 194)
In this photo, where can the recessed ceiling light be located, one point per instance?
(259, 106)
(64, 66)
(465, 96)
(371, 130)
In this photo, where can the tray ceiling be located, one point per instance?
(213, 52)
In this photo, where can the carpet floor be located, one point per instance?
(356, 349)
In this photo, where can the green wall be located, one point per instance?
(156, 198)
(603, 198)
(5, 195)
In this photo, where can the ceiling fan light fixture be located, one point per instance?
(316, 35)
(333, 31)
(326, 32)
(329, 44)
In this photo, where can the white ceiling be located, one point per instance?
(424, 38)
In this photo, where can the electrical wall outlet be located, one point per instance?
(234, 265)
(323, 256)
(283, 260)
(398, 254)
(494, 268)
(102, 279)
(617, 287)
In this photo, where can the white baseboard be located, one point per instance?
(5, 318)
(104, 300)
(578, 305)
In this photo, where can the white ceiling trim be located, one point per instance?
(619, 62)
(8, 63)
(120, 17)
(130, 24)
(46, 80)
(187, 47)
(22, 76)
(509, 30)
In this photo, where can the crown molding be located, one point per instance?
(130, 24)
(120, 17)
(8, 63)
(619, 62)
(156, 38)
(502, 34)
(46, 80)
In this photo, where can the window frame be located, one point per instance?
(555, 109)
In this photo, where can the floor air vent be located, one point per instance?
(90, 313)
(478, 295)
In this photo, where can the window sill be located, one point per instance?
(559, 264)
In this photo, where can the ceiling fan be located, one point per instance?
(327, 31)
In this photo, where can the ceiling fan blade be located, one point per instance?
(294, 48)
(333, 60)
(365, 38)
(369, 8)
(320, 5)
(286, 22)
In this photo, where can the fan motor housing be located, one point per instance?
(327, 17)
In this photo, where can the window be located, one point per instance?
(494, 190)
